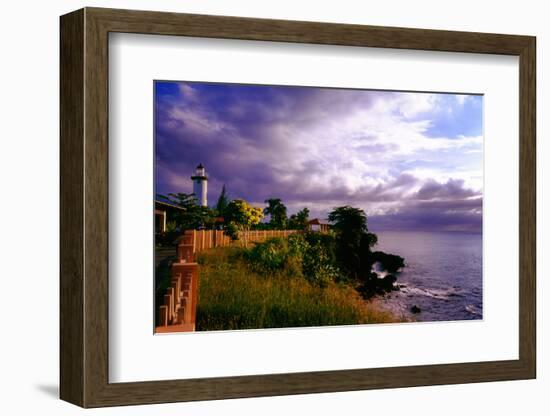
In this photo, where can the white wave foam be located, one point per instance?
(432, 293)
(377, 268)
(474, 310)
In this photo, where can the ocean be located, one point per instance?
(443, 275)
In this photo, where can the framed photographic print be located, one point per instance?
(256, 207)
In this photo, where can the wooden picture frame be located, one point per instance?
(84, 207)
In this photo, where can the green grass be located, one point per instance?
(232, 295)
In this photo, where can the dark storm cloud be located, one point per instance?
(307, 146)
(454, 189)
(236, 130)
(463, 215)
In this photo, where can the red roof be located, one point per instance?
(317, 221)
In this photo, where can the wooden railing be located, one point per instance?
(178, 313)
(207, 239)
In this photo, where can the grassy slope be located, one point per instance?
(231, 296)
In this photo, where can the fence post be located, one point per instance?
(169, 302)
(185, 253)
(163, 316)
(194, 294)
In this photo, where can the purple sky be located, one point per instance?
(412, 161)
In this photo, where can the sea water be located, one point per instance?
(443, 275)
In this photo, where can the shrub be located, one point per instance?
(232, 231)
(319, 258)
(318, 266)
(232, 296)
(269, 255)
(308, 255)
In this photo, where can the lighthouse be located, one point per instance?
(200, 185)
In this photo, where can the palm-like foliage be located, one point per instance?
(277, 212)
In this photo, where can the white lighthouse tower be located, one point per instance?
(200, 185)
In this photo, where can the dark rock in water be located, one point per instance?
(387, 283)
(415, 309)
(378, 286)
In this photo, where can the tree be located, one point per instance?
(355, 257)
(277, 212)
(350, 225)
(240, 216)
(180, 199)
(191, 215)
(299, 221)
(369, 239)
(223, 201)
(349, 220)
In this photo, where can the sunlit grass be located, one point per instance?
(232, 296)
